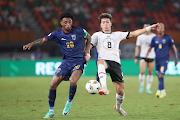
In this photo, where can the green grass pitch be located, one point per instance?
(26, 98)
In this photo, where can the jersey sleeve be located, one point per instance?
(123, 35)
(94, 39)
(86, 34)
(51, 36)
(171, 42)
(152, 44)
(138, 41)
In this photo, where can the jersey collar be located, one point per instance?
(106, 33)
(69, 31)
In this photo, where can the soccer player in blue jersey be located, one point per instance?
(70, 40)
(162, 44)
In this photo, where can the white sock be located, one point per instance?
(163, 91)
(141, 79)
(119, 101)
(102, 76)
(149, 81)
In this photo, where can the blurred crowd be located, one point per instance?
(127, 14)
(10, 17)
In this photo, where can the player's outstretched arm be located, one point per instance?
(149, 50)
(36, 42)
(141, 31)
(175, 54)
(136, 54)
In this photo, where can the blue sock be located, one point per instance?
(52, 97)
(161, 83)
(72, 91)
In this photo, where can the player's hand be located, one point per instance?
(136, 61)
(28, 46)
(147, 55)
(87, 57)
(176, 62)
(154, 26)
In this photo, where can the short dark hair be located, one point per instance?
(105, 15)
(66, 15)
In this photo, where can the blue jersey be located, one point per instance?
(162, 46)
(71, 44)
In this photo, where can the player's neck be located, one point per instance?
(147, 33)
(160, 35)
(106, 31)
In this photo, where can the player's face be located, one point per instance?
(160, 29)
(66, 23)
(106, 25)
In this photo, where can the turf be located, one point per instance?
(26, 98)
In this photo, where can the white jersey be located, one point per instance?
(107, 44)
(144, 41)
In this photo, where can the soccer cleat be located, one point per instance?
(121, 111)
(162, 95)
(158, 94)
(141, 89)
(149, 91)
(104, 92)
(50, 114)
(66, 109)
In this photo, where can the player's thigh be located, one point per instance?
(101, 61)
(75, 77)
(119, 86)
(143, 65)
(150, 67)
(56, 81)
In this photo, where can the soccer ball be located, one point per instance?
(92, 86)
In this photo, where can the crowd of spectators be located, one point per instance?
(127, 14)
(10, 17)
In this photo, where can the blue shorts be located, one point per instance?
(68, 66)
(161, 67)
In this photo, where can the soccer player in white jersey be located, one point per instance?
(107, 44)
(142, 43)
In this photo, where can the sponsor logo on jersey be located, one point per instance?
(63, 39)
(156, 42)
(73, 37)
(164, 41)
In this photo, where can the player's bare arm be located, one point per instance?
(137, 49)
(149, 50)
(36, 42)
(175, 54)
(87, 48)
(141, 31)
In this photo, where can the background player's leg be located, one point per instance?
(143, 65)
(119, 97)
(102, 76)
(149, 77)
(72, 90)
(52, 95)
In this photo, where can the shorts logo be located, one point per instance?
(58, 70)
(73, 37)
(164, 41)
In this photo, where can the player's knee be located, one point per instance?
(120, 91)
(161, 75)
(142, 72)
(73, 82)
(53, 86)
